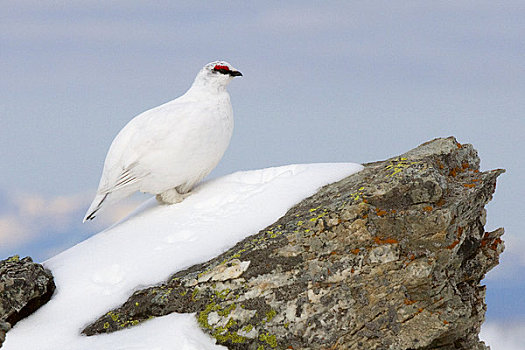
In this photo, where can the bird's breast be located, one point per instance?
(190, 149)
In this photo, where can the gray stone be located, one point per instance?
(24, 287)
(388, 258)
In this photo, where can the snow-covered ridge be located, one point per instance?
(152, 243)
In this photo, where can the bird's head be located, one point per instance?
(216, 74)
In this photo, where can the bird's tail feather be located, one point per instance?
(95, 206)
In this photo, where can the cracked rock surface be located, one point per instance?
(387, 258)
(24, 287)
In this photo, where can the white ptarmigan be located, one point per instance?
(168, 149)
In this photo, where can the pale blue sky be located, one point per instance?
(323, 82)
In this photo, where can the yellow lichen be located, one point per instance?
(398, 164)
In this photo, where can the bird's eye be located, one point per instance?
(222, 69)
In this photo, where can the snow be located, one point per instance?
(152, 243)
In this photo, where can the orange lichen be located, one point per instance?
(365, 200)
(459, 145)
(465, 165)
(485, 239)
(428, 208)
(440, 202)
(380, 212)
(469, 185)
(409, 302)
(378, 240)
(460, 231)
(455, 243)
(445, 322)
(494, 245)
(453, 172)
(355, 251)
(393, 211)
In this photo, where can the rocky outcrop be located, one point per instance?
(24, 287)
(388, 258)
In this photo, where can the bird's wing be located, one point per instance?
(127, 177)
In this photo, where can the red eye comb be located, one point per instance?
(218, 67)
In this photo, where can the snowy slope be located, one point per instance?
(152, 243)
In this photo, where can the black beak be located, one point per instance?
(235, 73)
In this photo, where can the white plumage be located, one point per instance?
(168, 149)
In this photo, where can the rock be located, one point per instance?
(24, 287)
(388, 258)
(4, 327)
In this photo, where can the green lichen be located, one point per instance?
(247, 328)
(268, 338)
(130, 323)
(314, 219)
(194, 294)
(231, 323)
(166, 293)
(235, 255)
(229, 336)
(227, 311)
(260, 347)
(270, 315)
(14, 258)
(356, 196)
(222, 334)
(116, 318)
(274, 234)
(314, 209)
(223, 293)
(237, 338)
(113, 316)
(202, 319)
(200, 274)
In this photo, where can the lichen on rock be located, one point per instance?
(387, 258)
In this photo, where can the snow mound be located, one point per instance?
(151, 244)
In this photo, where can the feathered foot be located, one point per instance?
(171, 196)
